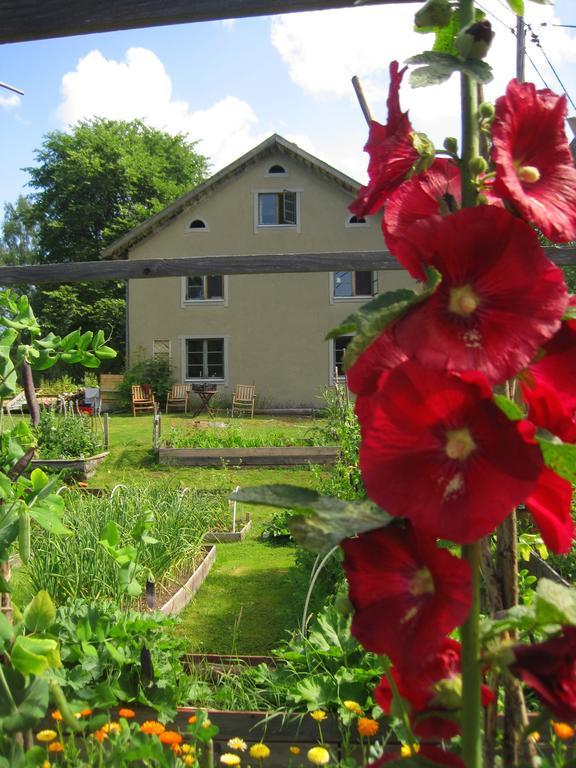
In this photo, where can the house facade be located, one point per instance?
(269, 329)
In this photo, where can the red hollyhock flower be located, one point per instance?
(549, 668)
(434, 686)
(433, 754)
(551, 501)
(555, 366)
(534, 166)
(380, 357)
(473, 464)
(392, 154)
(499, 300)
(408, 594)
(432, 194)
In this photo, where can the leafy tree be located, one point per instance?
(19, 238)
(91, 186)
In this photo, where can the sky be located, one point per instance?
(230, 84)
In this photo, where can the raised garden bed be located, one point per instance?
(173, 599)
(228, 537)
(83, 467)
(249, 457)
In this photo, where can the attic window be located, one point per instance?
(276, 169)
(198, 224)
(357, 221)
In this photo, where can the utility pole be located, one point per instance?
(520, 47)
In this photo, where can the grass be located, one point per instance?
(248, 602)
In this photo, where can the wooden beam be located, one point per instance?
(91, 271)
(22, 20)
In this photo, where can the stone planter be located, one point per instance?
(83, 467)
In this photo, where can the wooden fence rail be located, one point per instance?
(219, 265)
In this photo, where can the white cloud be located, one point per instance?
(9, 102)
(323, 50)
(140, 87)
(229, 23)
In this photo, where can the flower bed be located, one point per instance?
(248, 457)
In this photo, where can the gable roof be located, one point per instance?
(275, 143)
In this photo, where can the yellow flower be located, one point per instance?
(229, 759)
(46, 764)
(152, 727)
(563, 730)
(353, 706)
(318, 715)
(206, 723)
(367, 726)
(408, 750)
(189, 760)
(318, 756)
(188, 749)
(46, 735)
(237, 743)
(111, 728)
(535, 736)
(295, 750)
(259, 751)
(56, 746)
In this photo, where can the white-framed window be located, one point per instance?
(337, 350)
(205, 358)
(204, 289)
(198, 225)
(161, 349)
(357, 221)
(277, 209)
(354, 285)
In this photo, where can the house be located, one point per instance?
(267, 329)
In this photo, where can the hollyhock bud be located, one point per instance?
(477, 165)
(486, 110)
(474, 40)
(451, 145)
(434, 13)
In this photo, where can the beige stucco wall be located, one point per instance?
(274, 325)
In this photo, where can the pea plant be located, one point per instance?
(29, 656)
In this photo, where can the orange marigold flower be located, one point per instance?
(127, 713)
(563, 730)
(176, 748)
(367, 726)
(99, 735)
(56, 715)
(85, 712)
(152, 727)
(295, 750)
(56, 746)
(170, 737)
(192, 719)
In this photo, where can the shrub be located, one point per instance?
(66, 436)
(157, 372)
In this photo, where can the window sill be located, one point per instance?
(209, 302)
(338, 299)
(277, 226)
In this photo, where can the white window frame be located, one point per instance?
(266, 227)
(361, 298)
(184, 356)
(205, 228)
(332, 358)
(185, 302)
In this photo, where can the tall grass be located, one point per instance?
(232, 436)
(78, 566)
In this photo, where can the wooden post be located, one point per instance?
(106, 431)
(156, 431)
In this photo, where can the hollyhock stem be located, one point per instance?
(469, 105)
(471, 677)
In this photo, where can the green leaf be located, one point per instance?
(517, 6)
(47, 514)
(40, 613)
(372, 318)
(6, 633)
(30, 655)
(105, 353)
(85, 340)
(555, 603)
(70, 341)
(110, 534)
(327, 521)
(559, 456)
(444, 42)
(30, 702)
(511, 409)
(440, 66)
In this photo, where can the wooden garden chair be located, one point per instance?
(178, 397)
(142, 399)
(243, 399)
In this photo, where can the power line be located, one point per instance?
(536, 40)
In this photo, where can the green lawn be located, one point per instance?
(249, 600)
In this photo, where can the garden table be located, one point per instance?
(205, 394)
